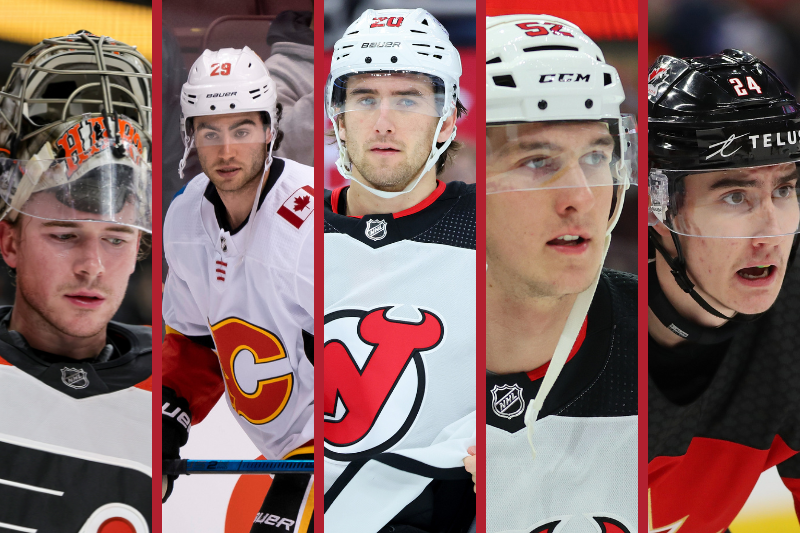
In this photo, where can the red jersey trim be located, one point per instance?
(4, 362)
(146, 384)
(538, 373)
(432, 197)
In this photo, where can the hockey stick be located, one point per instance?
(178, 467)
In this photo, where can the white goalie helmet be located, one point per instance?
(225, 82)
(395, 41)
(75, 133)
(540, 69)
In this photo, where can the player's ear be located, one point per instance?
(340, 121)
(447, 128)
(9, 242)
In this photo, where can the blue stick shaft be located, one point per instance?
(187, 466)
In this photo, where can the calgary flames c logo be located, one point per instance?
(374, 378)
(258, 375)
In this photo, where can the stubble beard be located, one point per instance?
(254, 169)
(395, 178)
(51, 317)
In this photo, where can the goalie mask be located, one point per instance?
(408, 53)
(553, 122)
(75, 134)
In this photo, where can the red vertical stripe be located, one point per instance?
(156, 254)
(480, 256)
(321, 70)
(642, 265)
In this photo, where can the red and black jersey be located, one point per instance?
(731, 415)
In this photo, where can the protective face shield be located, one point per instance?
(520, 157)
(371, 93)
(737, 203)
(96, 178)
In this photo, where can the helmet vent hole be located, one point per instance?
(249, 65)
(213, 107)
(588, 103)
(425, 22)
(549, 47)
(394, 59)
(419, 31)
(606, 78)
(439, 47)
(437, 57)
(368, 60)
(504, 81)
(542, 104)
(425, 45)
(343, 56)
(233, 106)
(494, 60)
(348, 46)
(353, 32)
(423, 54)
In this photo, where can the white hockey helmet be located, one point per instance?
(225, 82)
(75, 133)
(389, 41)
(541, 68)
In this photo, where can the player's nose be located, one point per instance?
(89, 261)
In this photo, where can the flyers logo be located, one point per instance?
(90, 136)
(374, 378)
(258, 375)
(116, 518)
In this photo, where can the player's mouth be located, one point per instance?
(384, 149)
(86, 299)
(757, 276)
(228, 172)
(570, 243)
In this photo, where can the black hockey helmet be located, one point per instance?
(727, 110)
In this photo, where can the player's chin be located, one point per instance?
(753, 304)
(82, 322)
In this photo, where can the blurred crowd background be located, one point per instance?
(458, 17)
(25, 24)
(613, 25)
(767, 29)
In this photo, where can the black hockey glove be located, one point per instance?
(176, 419)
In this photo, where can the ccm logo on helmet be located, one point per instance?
(221, 95)
(380, 45)
(548, 78)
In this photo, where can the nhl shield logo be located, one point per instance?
(75, 378)
(376, 229)
(507, 401)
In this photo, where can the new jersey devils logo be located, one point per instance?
(374, 378)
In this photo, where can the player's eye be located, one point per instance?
(210, 136)
(407, 103)
(367, 101)
(240, 134)
(62, 237)
(734, 198)
(786, 191)
(596, 158)
(116, 241)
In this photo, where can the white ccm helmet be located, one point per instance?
(542, 68)
(225, 82)
(395, 41)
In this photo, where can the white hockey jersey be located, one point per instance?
(584, 477)
(400, 364)
(252, 291)
(76, 437)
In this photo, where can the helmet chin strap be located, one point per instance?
(677, 267)
(571, 330)
(343, 164)
(251, 220)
